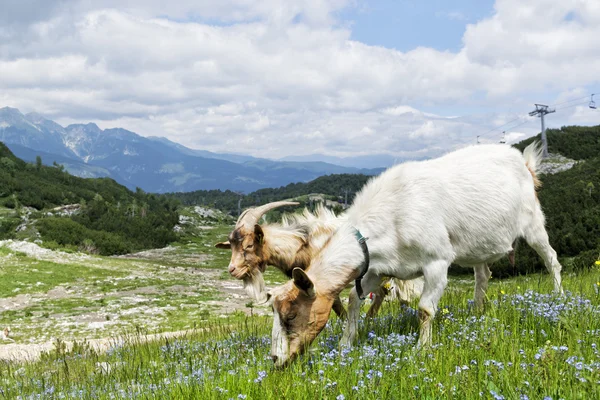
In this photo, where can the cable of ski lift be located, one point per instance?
(570, 101)
(591, 104)
(571, 106)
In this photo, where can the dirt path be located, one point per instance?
(33, 352)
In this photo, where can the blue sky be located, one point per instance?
(274, 78)
(406, 24)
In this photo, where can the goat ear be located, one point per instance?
(303, 282)
(223, 245)
(267, 299)
(258, 232)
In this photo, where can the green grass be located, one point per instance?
(7, 212)
(68, 297)
(34, 276)
(511, 350)
(518, 347)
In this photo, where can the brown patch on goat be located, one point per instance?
(338, 308)
(246, 251)
(321, 230)
(303, 312)
(302, 259)
(536, 181)
(251, 251)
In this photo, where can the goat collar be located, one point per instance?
(364, 266)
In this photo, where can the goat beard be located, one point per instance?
(254, 284)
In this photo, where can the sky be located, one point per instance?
(276, 78)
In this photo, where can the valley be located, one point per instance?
(48, 295)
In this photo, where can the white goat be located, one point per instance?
(288, 245)
(466, 207)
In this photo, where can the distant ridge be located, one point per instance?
(153, 164)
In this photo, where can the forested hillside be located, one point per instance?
(336, 187)
(110, 219)
(570, 200)
(576, 142)
(115, 220)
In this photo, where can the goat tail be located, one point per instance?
(533, 157)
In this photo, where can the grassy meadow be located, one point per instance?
(528, 344)
(62, 294)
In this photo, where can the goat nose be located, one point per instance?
(274, 358)
(231, 268)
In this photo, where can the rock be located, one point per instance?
(207, 212)
(183, 219)
(21, 227)
(67, 210)
(555, 163)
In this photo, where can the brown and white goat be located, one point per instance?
(285, 246)
(291, 244)
(467, 207)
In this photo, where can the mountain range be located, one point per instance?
(154, 164)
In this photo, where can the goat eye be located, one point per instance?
(290, 317)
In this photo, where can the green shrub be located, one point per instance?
(8, 226)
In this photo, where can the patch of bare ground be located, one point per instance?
(166, 253)
(22, 301)
(17, 302)
(40, 253)
(150, 254)
(113, 305)
(32, 352)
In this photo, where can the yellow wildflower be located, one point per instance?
(597, 263)
(502, 292)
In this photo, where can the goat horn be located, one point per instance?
(251, 216)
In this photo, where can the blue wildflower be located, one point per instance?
(261, 375)
(496, 396)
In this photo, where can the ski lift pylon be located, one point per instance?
(592, 103)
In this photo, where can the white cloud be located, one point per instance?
(513, 137)
(275, 78)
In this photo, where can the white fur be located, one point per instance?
(466, 207)
(254, 284)
(406, 291)
(279, 342)
(5, 333)
(315, 229)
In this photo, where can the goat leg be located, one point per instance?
(378, 297)
(338, 308)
